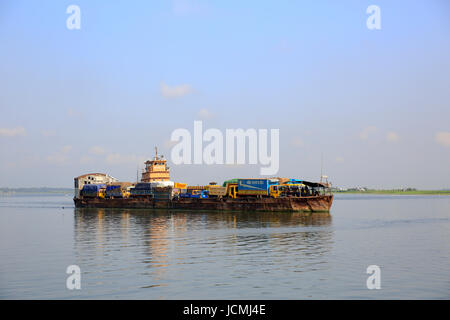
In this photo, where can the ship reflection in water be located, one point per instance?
(198, 254)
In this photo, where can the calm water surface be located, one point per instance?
(140, 254)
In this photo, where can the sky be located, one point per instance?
(373, 104)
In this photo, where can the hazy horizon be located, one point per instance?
(375, 104)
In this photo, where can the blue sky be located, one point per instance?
(375, 103)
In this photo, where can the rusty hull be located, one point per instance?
(294, 204)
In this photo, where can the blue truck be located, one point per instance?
(203, 194)
(255, 187)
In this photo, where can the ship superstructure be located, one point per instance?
(156, 170)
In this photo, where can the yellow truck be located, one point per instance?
(180, 186)
(93, 191)
(189, 188)
(294, 190)
(216, 191)
(231, 190)
(118, 190)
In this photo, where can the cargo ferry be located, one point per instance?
(156, 191)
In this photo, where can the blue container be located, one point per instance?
(203, 194)
(253, 184)
(185, 195)
(91, 190)
(93, 187)
(143, 186)
(114, 191)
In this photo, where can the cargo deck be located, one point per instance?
(321, 203)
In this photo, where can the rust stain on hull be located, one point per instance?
(301, 204)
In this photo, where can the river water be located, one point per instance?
(142, 254)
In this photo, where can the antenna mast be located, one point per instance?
(321, 166)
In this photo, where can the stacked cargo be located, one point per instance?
(179, 188)
(195, 193)
(162, 184)
(162, 193)
(216, 191)
(255, 187)
(190, 188)
(141, 189)
(93, 191)
(118, 190)
(113, 191)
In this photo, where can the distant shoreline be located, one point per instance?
(11, 191)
